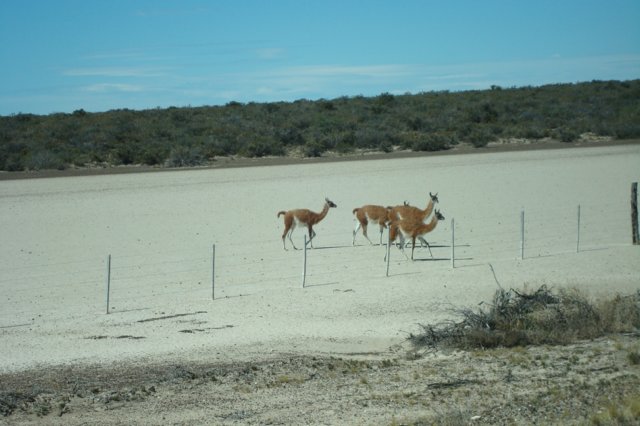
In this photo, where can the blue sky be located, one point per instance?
(63, 55)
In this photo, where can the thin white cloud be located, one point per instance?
(325, 80)
(446, 76)
(113, 87)
(271, 53)
(127, 54)
(341, 70)
(319, 80)
(170, 12)
(198, 84)
(113, 72)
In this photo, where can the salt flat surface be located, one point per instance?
(159, 229)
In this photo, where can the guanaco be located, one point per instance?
(303, 217)
(414, 213)
(408, 228)
(373, 214)
(406, 211)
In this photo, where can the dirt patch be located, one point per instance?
(548, 384)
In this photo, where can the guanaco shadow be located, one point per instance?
(331, 247)
(562, 253)
(321, 284)
(115, 310)
(432, 259)
(235, 296)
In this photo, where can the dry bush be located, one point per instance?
(621, 314)
(533, 318)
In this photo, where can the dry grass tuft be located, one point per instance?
(533, 318)
(625, 412)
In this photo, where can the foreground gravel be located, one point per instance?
(575, 384)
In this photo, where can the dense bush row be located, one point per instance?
(431, 121)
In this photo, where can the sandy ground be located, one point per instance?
(159, 229)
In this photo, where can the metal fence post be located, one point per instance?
(578, 239)
(108, 280)
(213, 273)
(522, 234)
(388, 249)
(304, 264)
(453, 244)
(635, 234)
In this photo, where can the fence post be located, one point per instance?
(388, 248)
(304, 264)
(578, 239)
(522, 234)
(635, 237)
(108, 280)
(213, 273)
(453, 244)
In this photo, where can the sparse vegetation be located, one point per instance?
(533, 318)
(182, 137)
(624, 412)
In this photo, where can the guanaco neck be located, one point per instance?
(322, 214)
(429, 208)
(427, 227)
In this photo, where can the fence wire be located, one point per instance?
(144, 279)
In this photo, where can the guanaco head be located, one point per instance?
(439, 215)
(434, 197)
(331, 203)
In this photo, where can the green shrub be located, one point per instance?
(291, 136)
(153, 155)
(224, 146)
(627, 130)
(430, 142)
(532, 131)
(385, 146)
(480, 136)
(13, 155)
(184, 156)
(566, 134)
(44, 160)
(263, 148)
(313, 148)
(13, 163)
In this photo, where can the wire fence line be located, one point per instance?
(137, 278)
